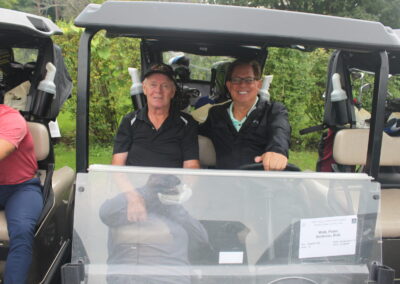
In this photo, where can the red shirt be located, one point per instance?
(21, 164)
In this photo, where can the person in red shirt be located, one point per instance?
(20, 192)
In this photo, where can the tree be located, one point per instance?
(385, 11)
(55, 9)
(8, 4)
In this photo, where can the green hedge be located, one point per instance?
(109, 78)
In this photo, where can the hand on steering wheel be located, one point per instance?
(260, 167)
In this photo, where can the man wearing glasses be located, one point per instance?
(249, 129)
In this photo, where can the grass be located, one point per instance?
(305, 160)
(65, 156)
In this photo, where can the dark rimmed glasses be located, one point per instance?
(246, 80)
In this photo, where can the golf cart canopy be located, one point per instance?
(367, 63)
(203, 48)
(31, 35)
(27, 23)
(226, 24)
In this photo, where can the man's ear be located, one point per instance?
(144, 86)
(259, 83)
(175, 89)
(228, 85)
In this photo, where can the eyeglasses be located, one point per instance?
(247, 80)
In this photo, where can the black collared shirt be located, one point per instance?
(169, 146)
(266, 129)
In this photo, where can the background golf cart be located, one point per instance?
(345, 147)
(25, 49)
(207, 30)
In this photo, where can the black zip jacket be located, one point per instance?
(267, 129)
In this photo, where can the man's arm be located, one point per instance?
(277, 149)
(6, 148)
(190, 145)
(119, 159)
(191, 164)
(136, 208)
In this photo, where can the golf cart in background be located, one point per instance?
(350, 124)
(214, 226)
(29, 65)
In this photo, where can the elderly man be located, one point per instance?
(248, 129)
(156, 136)
(20, 192)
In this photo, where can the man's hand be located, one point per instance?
(272, 161)
(136, 211)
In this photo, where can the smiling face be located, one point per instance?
(243, 85)
(159, 90)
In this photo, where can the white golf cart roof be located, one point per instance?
(24, 22)
(232, 24)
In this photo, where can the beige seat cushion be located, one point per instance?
(63, 179)
(350, 148)
(152, 231)
(389, 216)
(41, 140)
(206, 152)
(3, 227)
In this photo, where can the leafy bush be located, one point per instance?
(299, 82)
(109, 78)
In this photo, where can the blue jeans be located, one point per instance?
(23, 204)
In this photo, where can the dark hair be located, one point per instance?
(240, 62)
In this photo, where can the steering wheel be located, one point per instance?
(260, 167)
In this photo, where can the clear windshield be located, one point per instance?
(204, 226)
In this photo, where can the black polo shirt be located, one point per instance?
(266, 129)
(169, 146)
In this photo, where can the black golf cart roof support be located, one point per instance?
(377, 117)
(82, 121)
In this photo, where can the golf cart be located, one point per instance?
(347, 139)
(214, 226)
(27, 58)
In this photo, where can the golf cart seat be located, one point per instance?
(206, 152)
(60, 179)
(350, 148)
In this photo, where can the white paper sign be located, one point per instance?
(230, 257)
(54, 129)
(330, 236)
